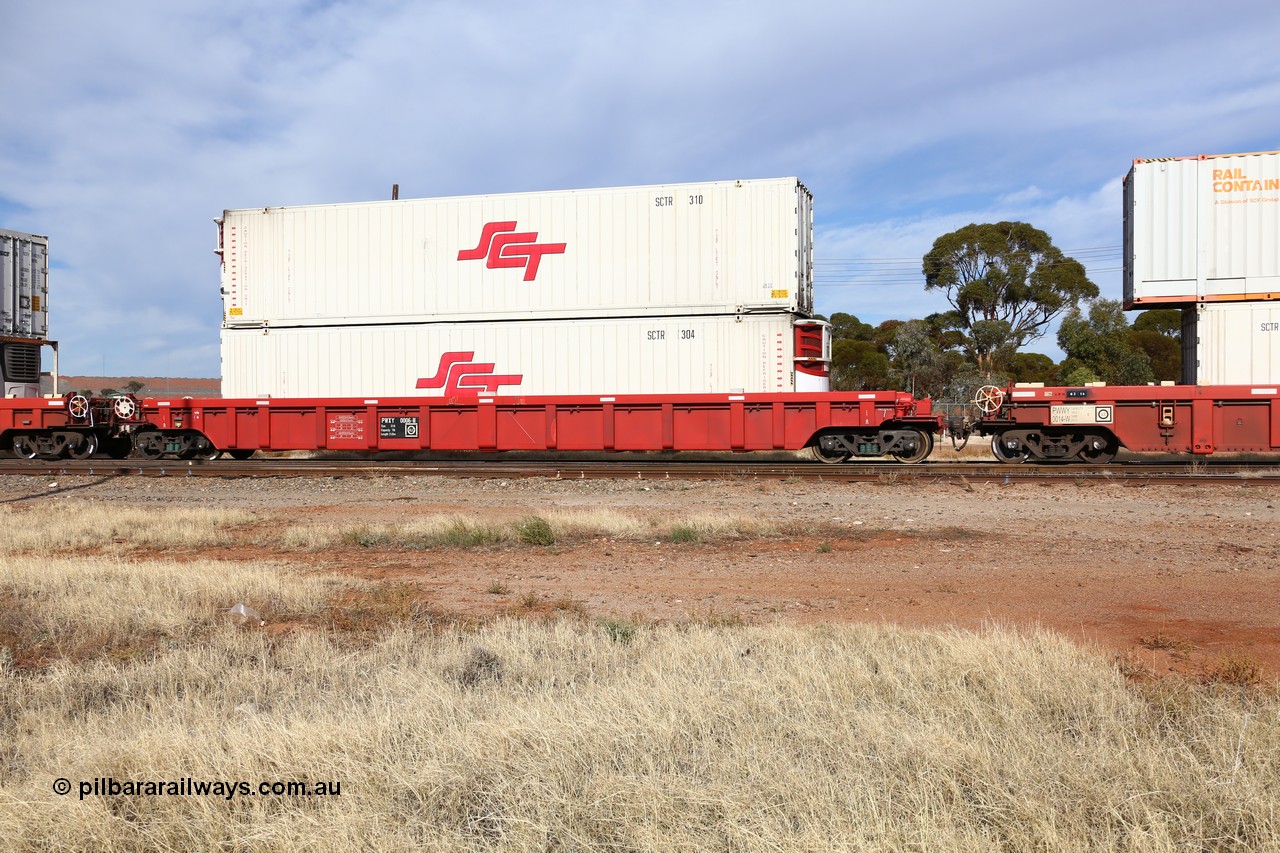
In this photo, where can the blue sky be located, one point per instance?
(130, 126)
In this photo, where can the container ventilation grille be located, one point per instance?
(22, 362)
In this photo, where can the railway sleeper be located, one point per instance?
(905, 445)
(1013, 446)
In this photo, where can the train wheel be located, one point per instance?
(833, 455)
(922, 451)
(149, 445)
(241, 453)
(24, 447)
(86, 447)
(201, 448)
(1010, 455)
(1099, 449)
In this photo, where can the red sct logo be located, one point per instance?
(501, 249)
(459, 376)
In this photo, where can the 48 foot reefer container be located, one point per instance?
(679, 249)
(649, 355)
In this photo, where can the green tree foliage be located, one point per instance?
(1006, 282)
(923, 356)
(858, 366)
(1099, 347)
(1164, 353)
(1158, 333)
(916, 361)
(884, 334)
(1165, 321)
(858, 360)
(1033, 367)
(848, 327)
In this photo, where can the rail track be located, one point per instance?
(1144, 471)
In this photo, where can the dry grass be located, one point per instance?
(979, 447)
(524, 736)
(557, 526)
(568, 733)
(79, 607)
(580, 735)
(80, 525)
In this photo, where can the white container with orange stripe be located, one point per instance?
(1202, 230)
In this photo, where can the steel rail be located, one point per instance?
(1217, 471)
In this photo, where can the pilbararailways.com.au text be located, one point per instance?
(188, 787)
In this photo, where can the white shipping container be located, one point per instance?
(24, 285)
(1202, 229)
(706, 248)
(656, 355)
(1231, 344)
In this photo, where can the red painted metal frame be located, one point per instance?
(32, 413)
(1200, 419)
(684, 422)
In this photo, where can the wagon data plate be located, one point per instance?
(1083, 414)
(398, 427)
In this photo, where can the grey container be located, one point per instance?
(24, 285)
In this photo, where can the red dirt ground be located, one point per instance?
(1170, 578)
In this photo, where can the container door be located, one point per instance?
(24, 271)
(10, 251)
(804, 249)
(33, 310)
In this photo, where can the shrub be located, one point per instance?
(619, 631)
(536, 530)
(685, 534)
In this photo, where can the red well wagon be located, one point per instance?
(837, 426)
(1091, 423)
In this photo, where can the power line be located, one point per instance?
(916, 280)
(1068, 252)
(897, 272)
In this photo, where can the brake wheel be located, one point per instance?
(989, 399)
(125, 408)
(78, 406)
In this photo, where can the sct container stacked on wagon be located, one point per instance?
(1202, 234)
(24, 310)
(650, 318)
(672, 289)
